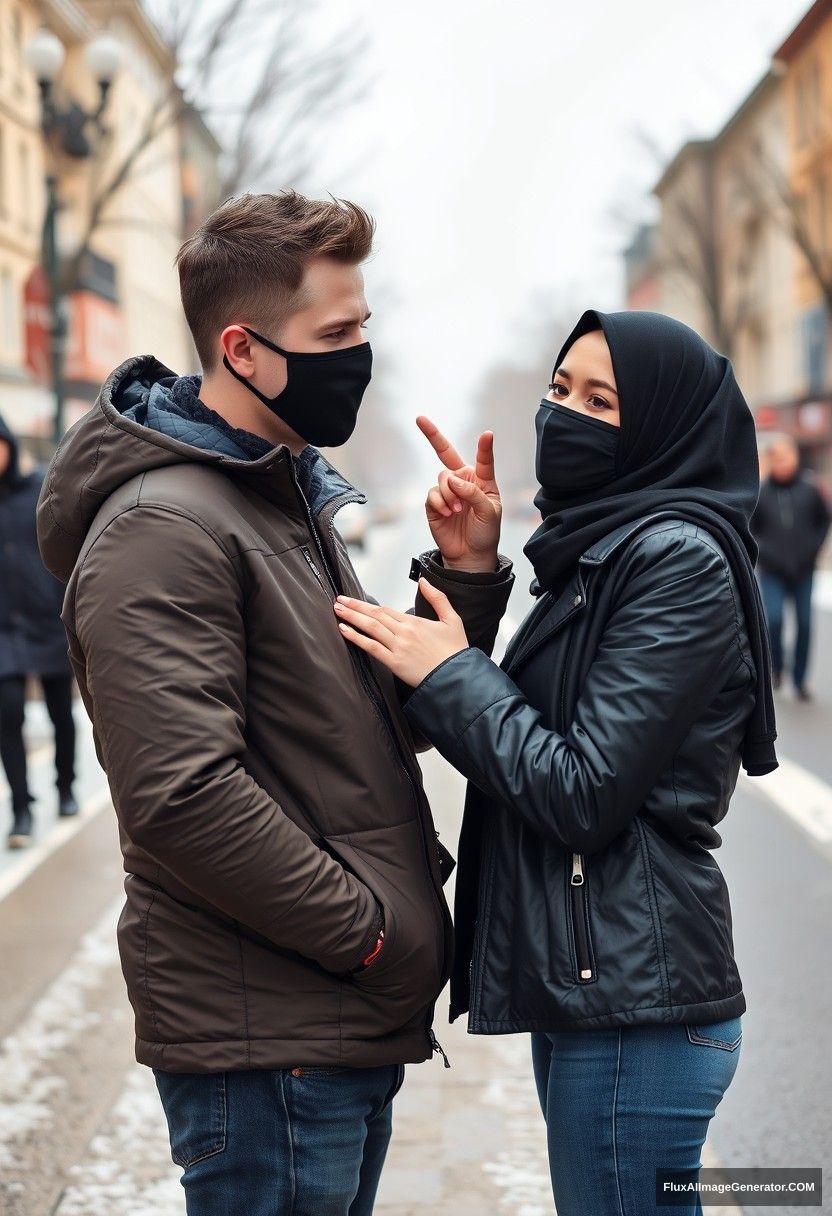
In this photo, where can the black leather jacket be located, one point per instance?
(600, 756)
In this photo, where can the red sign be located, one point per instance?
(767, 416)
(96, 340)
(37, 317)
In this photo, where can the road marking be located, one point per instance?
(63, 831)
(800, 794)
(822, 590)
(61, 1015)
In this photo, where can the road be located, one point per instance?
(81, 1129)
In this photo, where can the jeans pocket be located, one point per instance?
(398, 1082)
(726, 1035)
(330, 1071)
(196, 1111)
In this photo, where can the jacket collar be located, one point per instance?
(604, 548)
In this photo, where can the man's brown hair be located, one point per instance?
(246, 261)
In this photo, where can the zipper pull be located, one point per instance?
(436, 1047)
(577, 870)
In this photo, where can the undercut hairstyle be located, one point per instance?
(245, 263)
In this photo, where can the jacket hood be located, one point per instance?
(12, 473)
(107, 447)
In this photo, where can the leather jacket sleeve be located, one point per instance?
(479, 598)
(667, 649)
(160, 621)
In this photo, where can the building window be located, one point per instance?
(823, 216)
(813, 325)
(809, 100)
(9, 307)
(17, 44)
(25, 186)
(4, 190)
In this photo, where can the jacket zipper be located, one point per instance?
(376, 696)
(305, 551)
(580, 918)
(484, 911)
(371, 688)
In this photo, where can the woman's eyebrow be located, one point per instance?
(561, 371)
(603, 384)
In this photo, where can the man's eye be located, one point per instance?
(337, 335)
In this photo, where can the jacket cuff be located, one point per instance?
(431, 566)
(453, 695)
(479, 598)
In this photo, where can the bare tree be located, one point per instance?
(690, 247)
(267, 125)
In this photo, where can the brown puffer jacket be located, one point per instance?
(263, 773)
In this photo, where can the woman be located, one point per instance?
(604, 750)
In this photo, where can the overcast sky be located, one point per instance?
(494, 144)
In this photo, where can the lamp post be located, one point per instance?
(64, 126)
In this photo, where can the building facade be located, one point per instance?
(124, 206)
(743, 240)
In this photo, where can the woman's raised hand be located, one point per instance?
(463, 509)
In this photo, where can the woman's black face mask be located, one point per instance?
(575, 453)
(323, 391)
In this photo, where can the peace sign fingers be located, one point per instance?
(443, 447)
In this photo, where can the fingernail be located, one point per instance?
(457, 506)
(342, 599)
(343, 627)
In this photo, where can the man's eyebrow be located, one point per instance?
(342, 322)
(561, 371)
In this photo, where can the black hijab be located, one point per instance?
(687, 444)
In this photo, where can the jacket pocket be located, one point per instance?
(578, 905)
(406, 977)
(196, 1112)
(726, 1035)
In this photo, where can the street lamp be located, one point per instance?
(64, 126)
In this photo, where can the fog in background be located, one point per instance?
(494, 144)
(498, 146)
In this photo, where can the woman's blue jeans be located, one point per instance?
(620, 1104)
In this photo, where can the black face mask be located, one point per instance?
(575, 453)
(323, 390)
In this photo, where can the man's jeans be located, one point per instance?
(621, 1103)
(776, 591)
(281, 1142)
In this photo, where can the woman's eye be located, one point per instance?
(556, 389)
(599, 403)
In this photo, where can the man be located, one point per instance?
(790, 524)
(285, 936)
(32, 643)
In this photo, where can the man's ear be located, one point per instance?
(236, 346)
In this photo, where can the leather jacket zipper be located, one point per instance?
(580, 918)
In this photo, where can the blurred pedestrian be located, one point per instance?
(32, 642)
(603, 751)
(790, 525)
